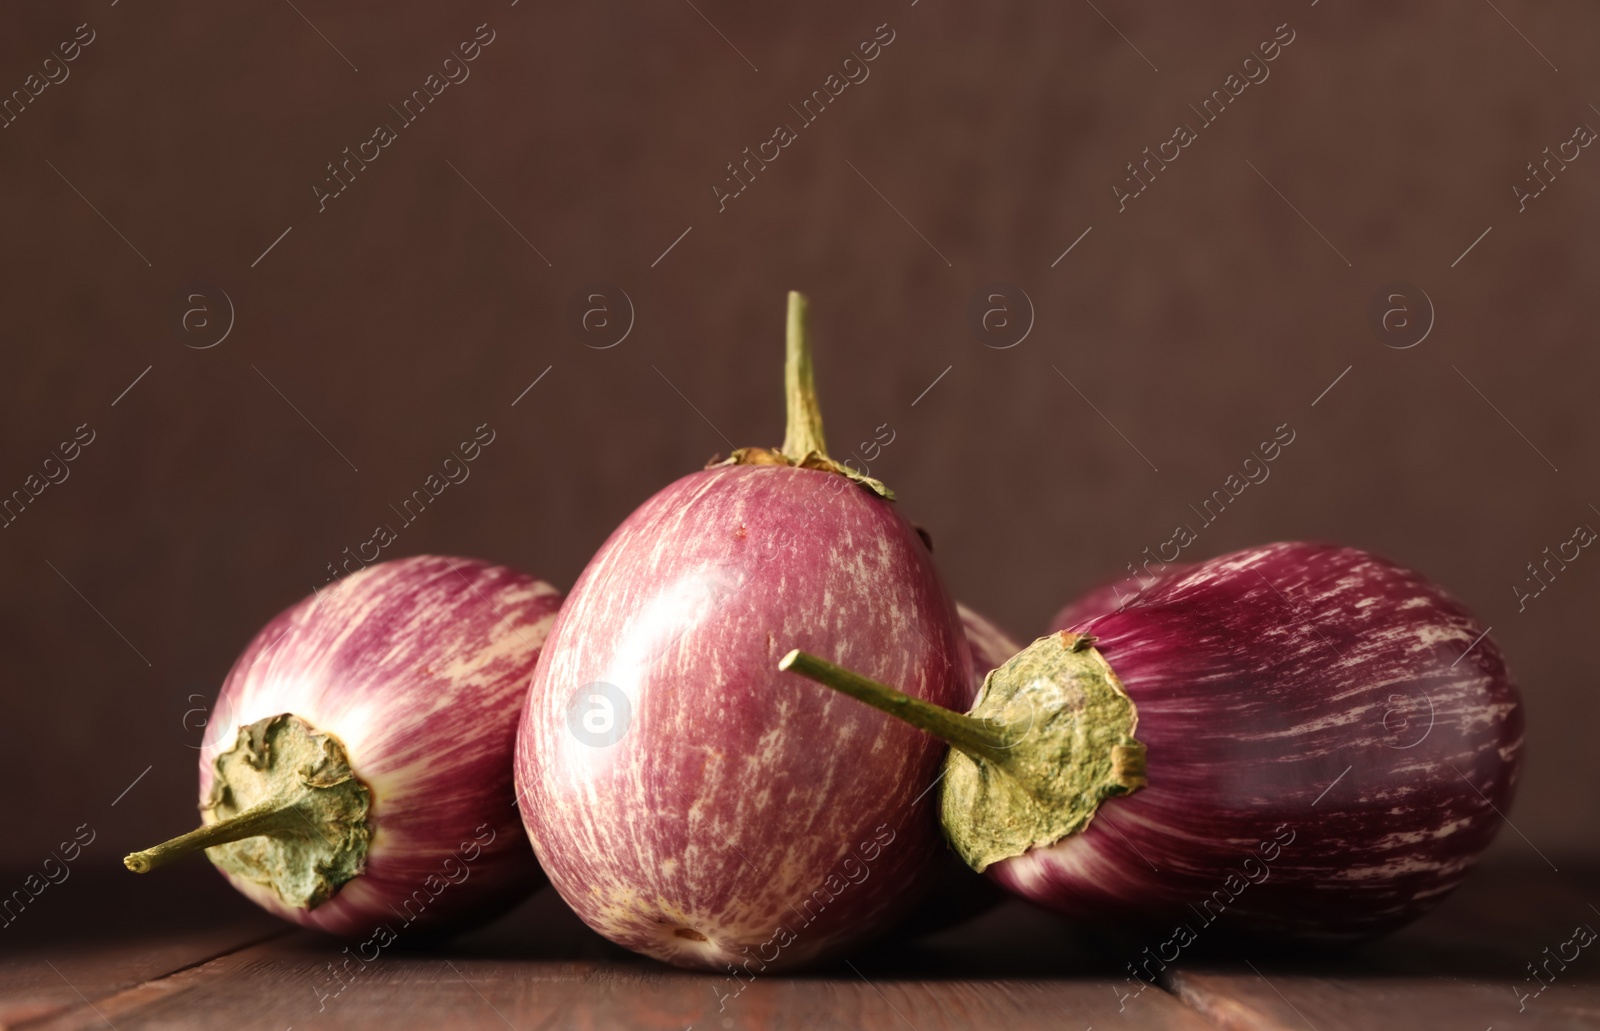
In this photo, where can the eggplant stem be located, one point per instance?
(803, 433)
(979, 739)
(266, 817)
(804, 446)
(1049, 738)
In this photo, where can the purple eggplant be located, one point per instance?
(1298, 740)
(680, 799)
(359, 781)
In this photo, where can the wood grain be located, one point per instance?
(69, 976)
(1466, 966)
(1294, 1002)
(1013, 967)
(284, 983)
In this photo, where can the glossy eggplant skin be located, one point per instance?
(728, 813)
(1331, 741)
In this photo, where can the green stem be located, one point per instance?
(803, 434)
(979, 739)
(266, 817)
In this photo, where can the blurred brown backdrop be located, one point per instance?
(186, 140)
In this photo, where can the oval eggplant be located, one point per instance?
(1298, 740)
(679, 799)
(360, 774)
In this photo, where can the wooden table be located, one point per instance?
(181, 951)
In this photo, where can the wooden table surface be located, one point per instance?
(181, 951)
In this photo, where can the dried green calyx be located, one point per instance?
(1068, 728)
(1049, 738)
(286, 811)
(804, 446)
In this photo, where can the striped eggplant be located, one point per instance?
(360, 776)
(681, 801)
(1298, 740)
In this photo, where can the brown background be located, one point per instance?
(409, 312)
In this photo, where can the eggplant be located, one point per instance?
(680, 800)
(1299, 740)
(361, 782)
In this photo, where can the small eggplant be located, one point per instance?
(1299, 740)
(361, 774)
(679, 799)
